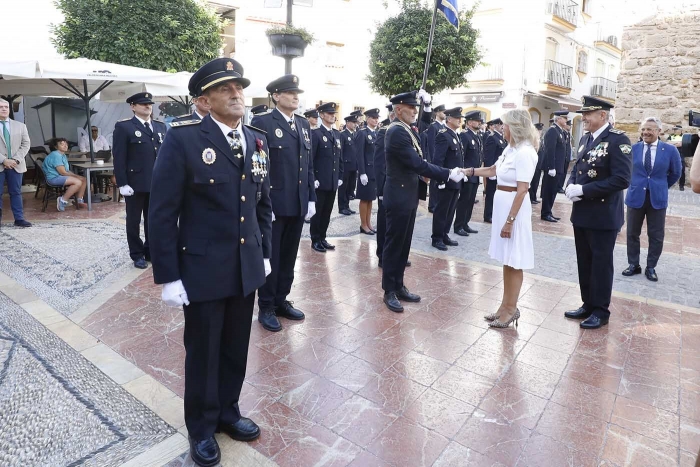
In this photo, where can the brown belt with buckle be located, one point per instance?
(507, 188)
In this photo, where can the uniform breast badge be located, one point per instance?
(592, 173)
(137, 133)
(369, 137)
(209, 156)
(337, 143)
(473, 143)
(278, 132)
(306, 135)
(454, 141)
(325, 140)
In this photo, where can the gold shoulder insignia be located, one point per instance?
(257, 129)
(185, 123)
(183, 116)
(616, 131)
(124, 120)
(442, 130)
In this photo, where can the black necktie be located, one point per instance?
(589, 140)
(236, 145)
(148, 128)
(647, 159)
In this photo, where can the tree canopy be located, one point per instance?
(397, 53)
(172, 35)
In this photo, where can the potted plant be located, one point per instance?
(288, 41)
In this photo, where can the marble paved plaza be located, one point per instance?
(92, 362)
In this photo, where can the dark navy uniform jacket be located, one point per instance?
(449, 154)
(328, 162)
(367, 143)
(554, 149)
(473, 152)
(210, 224)
(404, 165)
(291, 163)
(493, 148)
(430, 134)
(349, 144)
(605, 171)
(380, 161)
(183, 118)
(135, 150)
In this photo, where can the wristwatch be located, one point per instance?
(510, 219)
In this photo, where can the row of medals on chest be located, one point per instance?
(259, 158)
(600, 151)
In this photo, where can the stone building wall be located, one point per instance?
(660, 73)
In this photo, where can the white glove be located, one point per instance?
(456, 174)
(574, 191)
(363, 179)
(441, 187)
(493, 178)
(312, 210)
(381, 198)
(425, 96)
(465, 178)
(174, 293)
(268, 268)
(126, 190)
(340, 183)
(317, 184)
(273, 216)
(552, 173)
(575, 198)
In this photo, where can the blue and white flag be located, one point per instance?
(450, 9)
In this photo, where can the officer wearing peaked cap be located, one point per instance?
(473, 157)
(135, 146)
(493, 148)
(428, 137)
(600, 175)
(292, 194)
(380, 173)
(312, 116)
(367, 184)
(535, 183)
(259, 109)
(349, 151)
(211, 223)
(554, 160)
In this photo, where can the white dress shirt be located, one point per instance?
(100, 144)
(225, 129)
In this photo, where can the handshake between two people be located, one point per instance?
(456, 175)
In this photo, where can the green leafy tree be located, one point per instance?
(397, 53)
(170, 35)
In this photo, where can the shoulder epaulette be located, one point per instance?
(185, 123)
(124, 119)
(183, 116)
(257, 129)
(616, 131)
(159, 121)
(442, 130)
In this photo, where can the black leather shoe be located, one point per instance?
(404, 295)
(268, 320)
(439, 245)
(534, 201)
(392, 302)
(140, 263)
(632, 270)
(327, 245)
(346, 212)
(449, 242)
(22, 223)
(408, 263)
(205, 453)
(286, 310)
(593, 322)
(244, 429)
(318, 246)
(682, 188)
(556, 218)
(487, 221)
(462, 233)
(352, 212)
(470, 230)
(549, 219)
(651, 274)
(580, 313)
(366, 232)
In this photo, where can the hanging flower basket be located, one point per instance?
(288, 41)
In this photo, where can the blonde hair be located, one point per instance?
(521, 127)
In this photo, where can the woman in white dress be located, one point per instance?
(511, 229)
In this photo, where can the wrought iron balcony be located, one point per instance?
(603, 87)
(557, 74)
(564, 9)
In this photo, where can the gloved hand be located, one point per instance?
(441, 187)
(268, 267)
(422, 93)
(174, 294)
(552, 173)
(456, 174)
(574, 191)
(493, 178)
(126, 190)
(380, 198)
(575, 198)
(363, 179)
(317, 184)
(312, 210)
(340, 183)
(273, 216)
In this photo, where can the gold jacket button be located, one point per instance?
(243, 198)
(242, 241)
(243, 177)
(242, 219)
(211, 180)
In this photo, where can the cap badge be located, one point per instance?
(137, 133)
(148, 96)
(278, 132)
(208, 156)
(295, 80)
(229, 66)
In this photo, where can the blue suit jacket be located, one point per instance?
(666, 172)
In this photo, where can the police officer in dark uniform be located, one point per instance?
(535, 183)
(562, 177)
(292, 194)
(473, 155)
(136, 142)
(349, 150)
(402, 190)
(259, 110)
(312, 116)
(328, 173)
(380, 173)
(430, 135)
(367, 182)
(210, 230)
(598, 179)
(449, 153)
(201, 110)
(555, 153)
(493, 148)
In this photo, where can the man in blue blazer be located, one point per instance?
(656, 166)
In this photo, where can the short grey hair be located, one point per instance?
(655, 120)
(3, 100)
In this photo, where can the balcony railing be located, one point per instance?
(492, 72)
(603, 87)
(557, 74)
(564, 9)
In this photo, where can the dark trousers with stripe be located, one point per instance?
(465, 205)
(136, 207)
(397, 246)
(444, 213)
(322, 218)
(286, 234)
(594, 255)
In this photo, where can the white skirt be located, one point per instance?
(516, 251)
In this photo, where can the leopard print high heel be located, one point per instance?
(491, 317)
(514, 318)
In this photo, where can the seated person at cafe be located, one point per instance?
(99, 142)
(58, 173)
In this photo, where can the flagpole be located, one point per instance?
(427, 59)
